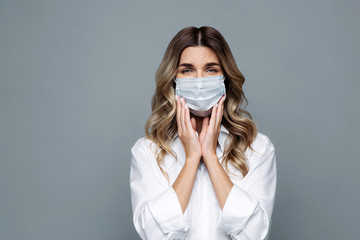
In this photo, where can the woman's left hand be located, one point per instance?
(210, 131)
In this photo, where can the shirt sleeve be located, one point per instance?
(247, 211)
(156, 209)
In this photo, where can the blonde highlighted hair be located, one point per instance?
(161, 127)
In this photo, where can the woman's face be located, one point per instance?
(196, 62)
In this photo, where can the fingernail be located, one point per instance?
(181, 100)
(186, 106)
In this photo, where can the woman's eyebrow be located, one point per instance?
(207, 65)
(212, 64)
(186, 65)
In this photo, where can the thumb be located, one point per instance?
(193, 123)
(205, 123)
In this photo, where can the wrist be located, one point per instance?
(192, 161)
(210, 157)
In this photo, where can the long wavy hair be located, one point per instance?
(161, 127)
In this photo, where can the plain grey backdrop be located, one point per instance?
(77, 77)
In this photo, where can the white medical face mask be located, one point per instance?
(201, 94)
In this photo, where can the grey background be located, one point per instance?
(77, 77)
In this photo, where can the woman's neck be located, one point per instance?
(199, 121)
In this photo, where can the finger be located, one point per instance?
(220, 111)
(182, 115)
(205, 122)
(188, 123)
(213, 116)
(193, 123)
(178, 109)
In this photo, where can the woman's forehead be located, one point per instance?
(198, 55)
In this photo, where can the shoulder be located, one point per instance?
(142, 143)
(261, 146)
(143, 147)
(143, 162)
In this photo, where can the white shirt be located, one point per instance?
(247, 211)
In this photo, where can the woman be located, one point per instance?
(202, 171)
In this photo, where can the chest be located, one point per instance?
(203, 209)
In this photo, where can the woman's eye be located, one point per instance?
(212, 70)
(186, 70)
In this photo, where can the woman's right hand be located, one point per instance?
(187, 132)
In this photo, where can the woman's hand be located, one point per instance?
(187, 132)
(210, 131)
